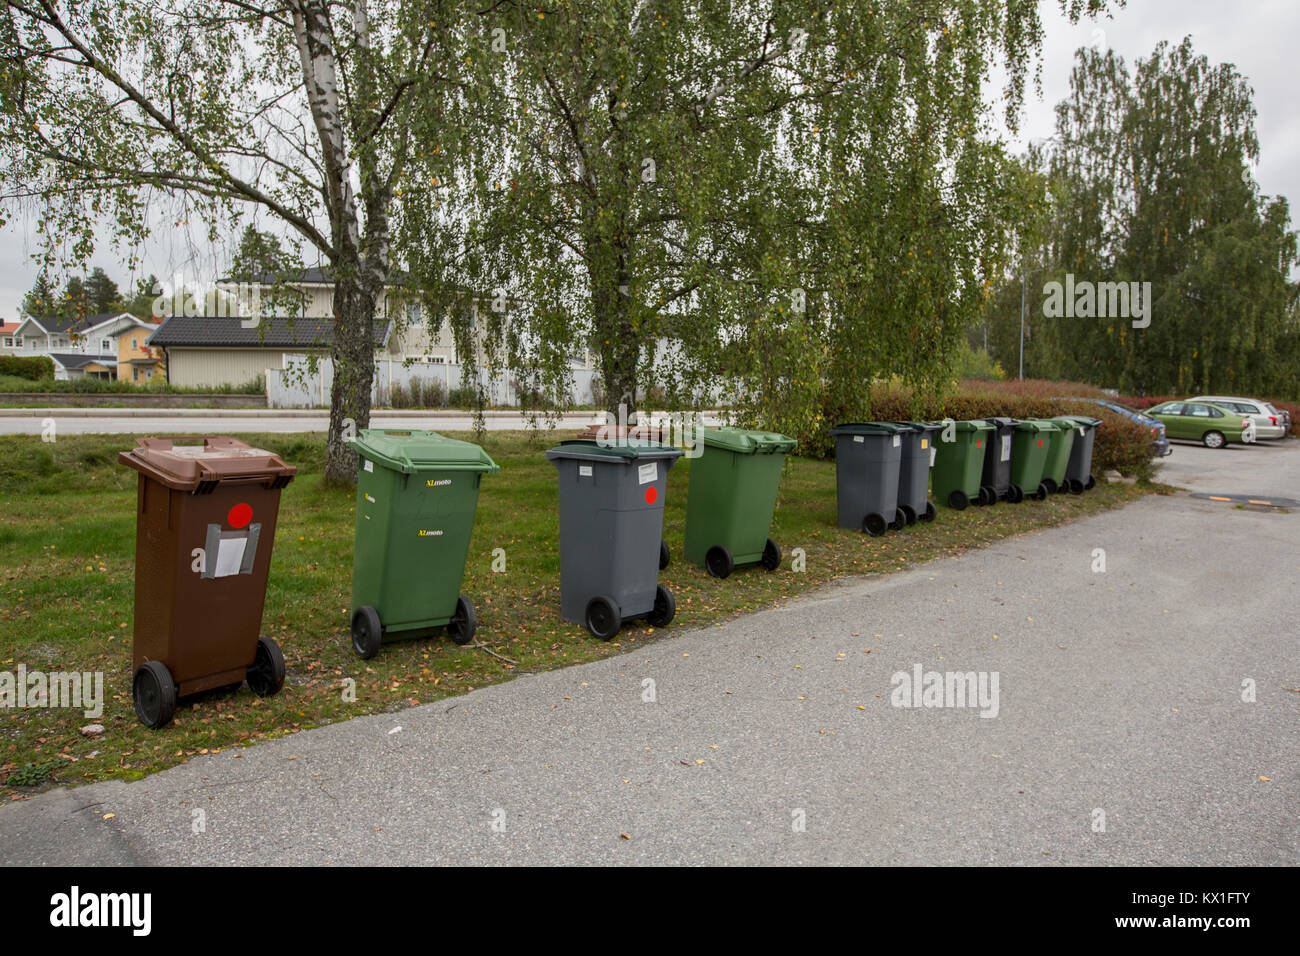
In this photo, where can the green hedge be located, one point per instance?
(38, 368)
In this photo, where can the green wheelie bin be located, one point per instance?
(416, 495)
(732, 495)
(1029, 449)
(1058, 455)
(958, 461)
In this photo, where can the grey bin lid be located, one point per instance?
(624, 451)
(870, 428)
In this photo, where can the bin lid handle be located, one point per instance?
(166, 442)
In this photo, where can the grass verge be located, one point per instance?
(67, 550)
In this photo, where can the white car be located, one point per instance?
(1268, 421)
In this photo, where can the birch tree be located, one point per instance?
(298, 109)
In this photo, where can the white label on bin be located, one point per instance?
(896, 441)
(230, 556)
(370, 465)
(584, 471)
(858, 438)
(648, 472)
(933, 450)
(1006, 447)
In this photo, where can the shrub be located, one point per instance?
(465, 396)
(37, 368)
(977, 364)
(397, 396)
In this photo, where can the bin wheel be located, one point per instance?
(958, 500)
(464, 622)
(719, 562)
(664, 556)
(988, 495)
(665, 608)
(909, 513)
(1015, 494)
(875, 524)
(771, 555)
(1051, 485)
(266, 676)
(899, 522)
(1042, 492)
(1075, 486)
(602, 617)
(154, 693)
(1090, 484)
(930, 512)
(367, 632)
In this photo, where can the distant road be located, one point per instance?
(118, 421)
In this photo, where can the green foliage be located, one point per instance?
(977, 364)
(38, 368)
(99, 386)
(1150, 181)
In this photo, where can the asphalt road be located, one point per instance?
(1121, 734)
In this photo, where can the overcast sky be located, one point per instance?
(1257, 36)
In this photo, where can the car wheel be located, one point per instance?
(1214, 439)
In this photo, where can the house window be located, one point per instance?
(106, 345)
(31, 343)
(135, 345)
(9, 341)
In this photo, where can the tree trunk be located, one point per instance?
(354, 368)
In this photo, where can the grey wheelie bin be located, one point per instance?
(1078, 472)
(914, 472)
(611, 526)
(995, 481)
(867, 460)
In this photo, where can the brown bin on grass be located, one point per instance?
(205, 527)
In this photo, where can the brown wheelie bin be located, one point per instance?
(205, 527)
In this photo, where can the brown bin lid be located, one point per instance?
(194, 467)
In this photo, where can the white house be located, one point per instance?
(83, 346)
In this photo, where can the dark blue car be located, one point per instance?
(1159, 441)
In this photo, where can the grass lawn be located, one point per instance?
(67, 548)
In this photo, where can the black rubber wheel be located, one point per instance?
(909, 513)
(1051, 485)
(899, 522)
(1075, 486)
(1090, 484)
(875, 524)
(266, 676)
(1015, 494)
(988, 496)
(771, 555)
(930, 512)
(957, 500)
(1041, 493)
(464, 622)
(664, 557)
(154, 693)
(602, 617)
(665, 608)
(367, 632)
(719, 562)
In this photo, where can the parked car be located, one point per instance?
(1282, 414)
(1212, 426)
(1159, 439)
(1268, 424)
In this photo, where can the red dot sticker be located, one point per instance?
(240, 515)
(979, 443)
(1040, 443)
(651, 495)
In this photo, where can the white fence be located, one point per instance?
(300, 385)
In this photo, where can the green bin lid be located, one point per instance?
(1037, 425)
(970, 425)
(870, 428)
(1086, 420)
(412, 450)
(746, 441)
(622, 449)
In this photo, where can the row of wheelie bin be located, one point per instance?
(884, 469)
(207, 510)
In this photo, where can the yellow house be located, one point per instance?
(136, 361)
